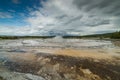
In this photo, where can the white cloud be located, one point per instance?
(5, 15)
(67, 16)
(63, 15)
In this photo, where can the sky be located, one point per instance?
(59, 17)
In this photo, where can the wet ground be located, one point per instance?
(59, 59)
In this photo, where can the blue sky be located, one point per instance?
(15, 11)
(59, 17)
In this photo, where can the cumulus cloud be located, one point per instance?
(79, 17)
(13, 30)
(82, 16)
(108, 7)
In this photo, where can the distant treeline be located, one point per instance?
(20, 37)
(115, 35)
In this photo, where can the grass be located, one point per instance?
(1, 78)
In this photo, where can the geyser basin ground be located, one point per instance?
(59, 59)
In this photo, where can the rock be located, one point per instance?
(70, 76)
(56, 67)
(6, 75)
(88, 74)
(34, 77)
(43, 60)
(72, 67)
(96, 60)
(85, 71)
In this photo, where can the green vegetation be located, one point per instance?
(115, 35)
(72, 37)
(26, 37)
(1, 78)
